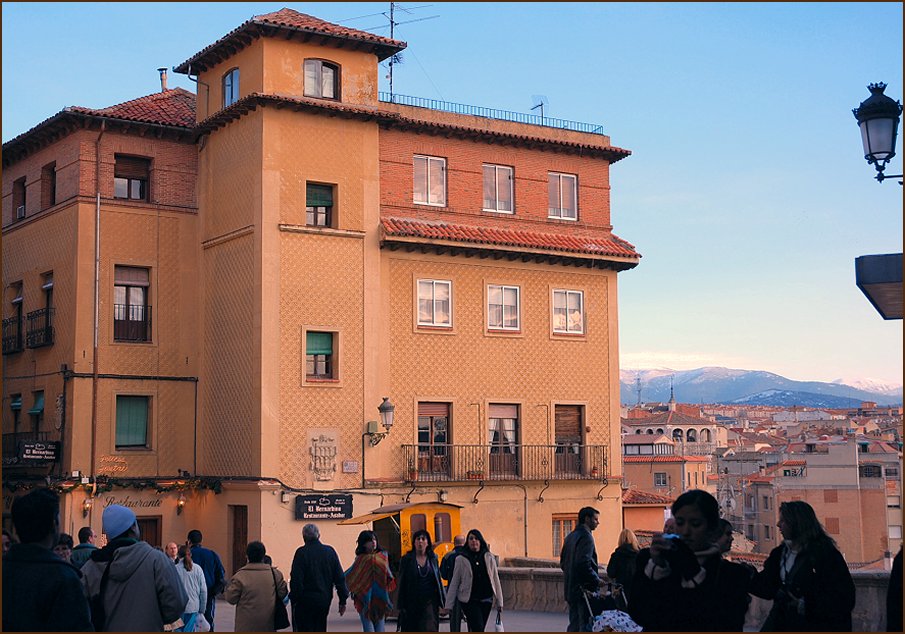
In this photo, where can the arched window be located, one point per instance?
(231, 87)
(705, 435)
(650, 431)
(691, 435)
(660, 431)
(637, 431)
(677, 435)
(321, 79)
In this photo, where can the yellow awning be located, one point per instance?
(368, 517)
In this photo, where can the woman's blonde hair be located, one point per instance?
(628, 537)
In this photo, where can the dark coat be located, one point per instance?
(578, 560)
(718, 604)
(42, 593)
(212, 567)
(407, 599)
(819, 576)
(315, 573)
(894, 596)
(621, 567)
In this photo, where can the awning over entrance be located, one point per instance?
(390, 510)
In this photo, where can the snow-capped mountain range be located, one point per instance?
(753, 387)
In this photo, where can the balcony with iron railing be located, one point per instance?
(39, 332)
(131, 322)
(488, 463)
(12, 335)
(490, 113)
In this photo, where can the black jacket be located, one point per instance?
(315, 572)
(621, 567)
(718, 604)
(820, 576)
(894, 596)
(448, 565)
(42, 593)
(407, 599)
(578, 561)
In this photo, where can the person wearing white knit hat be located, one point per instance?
(132, 586)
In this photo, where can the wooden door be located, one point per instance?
(150, 528)
(567, 422)
(238, 516)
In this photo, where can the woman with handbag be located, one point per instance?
(257, 590)
(475, 583)
(370, 582)
(421, 593)
(192, 578)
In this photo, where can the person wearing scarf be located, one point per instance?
(370, 582)
(475, 582)
(806, 576)
(681, 582)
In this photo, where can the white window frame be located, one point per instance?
(231, 81)
(438, 164)
(496, 188)
(568, 330)
(657, 480)
(518, 307)
(433, 299)
(316, 87)
(558, 211)
(895, 531)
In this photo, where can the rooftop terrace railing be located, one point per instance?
(490, 113)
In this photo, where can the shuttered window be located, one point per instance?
(319, 356)
(318, 205)
(567, 420)
(131, 175)
(131, 421)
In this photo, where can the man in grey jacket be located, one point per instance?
(142, 590)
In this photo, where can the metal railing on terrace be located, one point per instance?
(11, 441)
(491, 113)
(12, 335)
(456, 463)
(40, 328)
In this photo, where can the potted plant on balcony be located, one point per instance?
(595, 472)
(475, 474)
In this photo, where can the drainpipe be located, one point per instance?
(97, 274)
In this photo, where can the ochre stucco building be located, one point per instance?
(278, 254)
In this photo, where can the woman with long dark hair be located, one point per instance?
(475, 582)
(421, 593)
(370, 581)
(681, 583)
(805, 576)
(192, 578)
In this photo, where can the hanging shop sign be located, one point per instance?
(334, 506)
(34, 451)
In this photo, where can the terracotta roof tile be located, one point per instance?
(442, 230)
(174, 107)
(634, 496)
(644, 459)
(289, 21)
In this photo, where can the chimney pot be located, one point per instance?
(163, 78)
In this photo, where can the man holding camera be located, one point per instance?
(578, 561)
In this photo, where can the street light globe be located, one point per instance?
(878, 118)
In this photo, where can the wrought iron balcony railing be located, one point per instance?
(131, 322)
(39, 332)
(12, 335)
(456, 463)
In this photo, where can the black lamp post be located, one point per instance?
(878, 118)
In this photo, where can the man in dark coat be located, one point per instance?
(578, 561)
(446, 572)
(82, 552)
(214, 573)
(315, 572)
(41, 592)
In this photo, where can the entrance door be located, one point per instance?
(433, 438)
(238, 525)
(567, 423)
(150, 528)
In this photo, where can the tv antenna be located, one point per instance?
(540, 101)
(638, 387)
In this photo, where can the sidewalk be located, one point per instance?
(513, 621)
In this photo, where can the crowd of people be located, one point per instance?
(684, 581)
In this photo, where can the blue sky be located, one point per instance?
(746, 193)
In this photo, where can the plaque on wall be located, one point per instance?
(331, 506)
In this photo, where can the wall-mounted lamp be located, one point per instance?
(87, 503)
(180, 503)
(386, 410)
(285, 496)
(442, 495)
(878, 118)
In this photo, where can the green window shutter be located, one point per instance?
(131, 421)
(39, 404)
(16, 402)
(320, 196)
(319, 343)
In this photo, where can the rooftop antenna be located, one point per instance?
(540, 101)
(391, 16)
(638, 388)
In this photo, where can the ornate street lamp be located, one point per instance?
(878, 118)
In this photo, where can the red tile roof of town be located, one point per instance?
(289, 22)
(634, 496)
(644, 459)
(455, 232)
(670, 418)
(174, 107)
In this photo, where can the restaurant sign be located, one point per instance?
(323, 507)
(35, 451)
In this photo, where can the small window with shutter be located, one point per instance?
(320, 357)
(319, 205)
(131, 175)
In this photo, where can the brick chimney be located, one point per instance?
(163, 78)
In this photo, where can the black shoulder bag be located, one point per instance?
(280, 616)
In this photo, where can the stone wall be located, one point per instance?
(540, 589)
